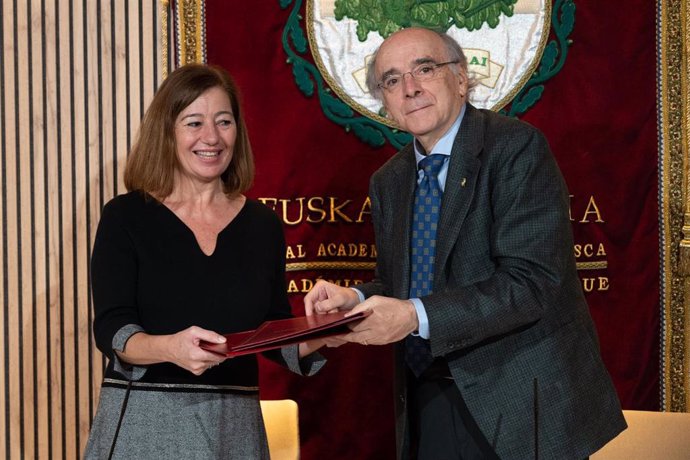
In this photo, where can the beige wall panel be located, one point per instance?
(12, 276)
(106, 163)
(122, 85)
(133, 51)
(38, 153)
(79, 157)
(52, 444)
(92, 205)
(24, 315)
(25, 331)
(65, 215)
(7, 22)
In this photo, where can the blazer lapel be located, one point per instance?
(402, 187)
(463, 170)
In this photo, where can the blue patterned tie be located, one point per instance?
(427, 204)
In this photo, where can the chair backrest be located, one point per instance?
(282, 428)
(650, 436)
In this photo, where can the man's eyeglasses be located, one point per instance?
(423, 72)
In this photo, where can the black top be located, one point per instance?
(147, 269)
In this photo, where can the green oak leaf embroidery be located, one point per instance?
(311, 83)
(388, 16)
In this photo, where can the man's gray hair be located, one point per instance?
(453, 49)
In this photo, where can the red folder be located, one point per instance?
(283, 332)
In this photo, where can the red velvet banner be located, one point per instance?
(598, 113)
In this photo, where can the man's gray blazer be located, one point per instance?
(507, 305)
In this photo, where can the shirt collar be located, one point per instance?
(445, 144)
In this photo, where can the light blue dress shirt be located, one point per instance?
(443, 147)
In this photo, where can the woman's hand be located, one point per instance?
(181, 349)
(185, 350)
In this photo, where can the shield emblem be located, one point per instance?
(503, 40)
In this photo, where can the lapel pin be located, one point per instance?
(463, 182)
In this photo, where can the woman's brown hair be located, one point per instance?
(153, 159)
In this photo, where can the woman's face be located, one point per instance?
(205, 133)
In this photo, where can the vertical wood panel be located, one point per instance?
(24, 223)
(6, 24)
(13, 263)
(64, 214)
(36, 37)
(75, 77)
(50, 110)
(121, 85)
(4, 298)
(79, 226)
(90, 157)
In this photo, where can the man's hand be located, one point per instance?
(391, 320)
(327, 297)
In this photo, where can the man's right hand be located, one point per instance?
(327, 297)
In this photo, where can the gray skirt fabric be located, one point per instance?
(169, 424)
(171, 421)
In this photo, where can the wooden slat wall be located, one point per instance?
(75, 78)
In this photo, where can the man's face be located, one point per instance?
(424, 109)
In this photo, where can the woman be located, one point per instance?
(181, 257)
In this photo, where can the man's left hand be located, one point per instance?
(391, 320)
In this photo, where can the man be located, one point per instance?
(509, 366)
